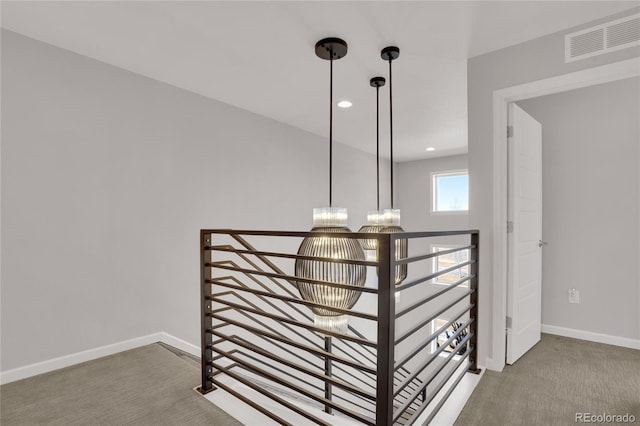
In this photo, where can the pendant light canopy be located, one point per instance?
(375, 219)
(392, 216)
(326, 221)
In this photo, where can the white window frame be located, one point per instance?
(434, 263)
(434, 192)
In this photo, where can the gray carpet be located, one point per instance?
(151, 385)
(556, 379)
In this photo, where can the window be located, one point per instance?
(450, 192)
(448, 260)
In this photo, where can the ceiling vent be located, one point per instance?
(604, 38)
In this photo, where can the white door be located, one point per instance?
(524, 288)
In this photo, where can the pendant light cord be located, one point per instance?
(378, 146)
(330, 128)
(391, 127)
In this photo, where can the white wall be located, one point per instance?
(107, 177)
(590, 206)
(530, 61)
(415, 192)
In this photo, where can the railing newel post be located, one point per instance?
(206, 322)
(386, 330)
(473, 313)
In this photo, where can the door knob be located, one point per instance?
(542, 243)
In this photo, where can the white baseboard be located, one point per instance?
(91, 354)
(179, 344)
(76, 358)
(625, 342)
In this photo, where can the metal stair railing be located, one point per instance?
(341, 372)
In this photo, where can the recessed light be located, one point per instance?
(431, 149)
(344, 104)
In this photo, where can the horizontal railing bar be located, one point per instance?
(327, 402)
(281, 347)
(319, 352)
(220, 325)
(257, 281)
(354, 235)
(230, 249)
(259, 233)
(320, 376)
(335, 395)
(427, 234)
(356, 349)
(270, 395)
(434, 275)
(242, 286)
(434, 374)
(309, 327)
(445, 397)
(216, 372)
(290, 385)
(434, 354)
(264, 286)
(336, 347)
(293, 300)
(435, 315)
(292, 278)
(259, 312)
(335, 367)
(217, 342)
(431, 255)
(434, 296)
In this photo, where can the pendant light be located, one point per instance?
(328, 220)
(392, 216)
(375, 219)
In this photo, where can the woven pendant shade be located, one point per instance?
(327, 246)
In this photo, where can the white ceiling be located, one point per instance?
(259, 56)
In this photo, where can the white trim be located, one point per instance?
(76, 358)
(177, 343)
(608, 339)
(575, 80)
(95, 353)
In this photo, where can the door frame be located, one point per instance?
(501, 98)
